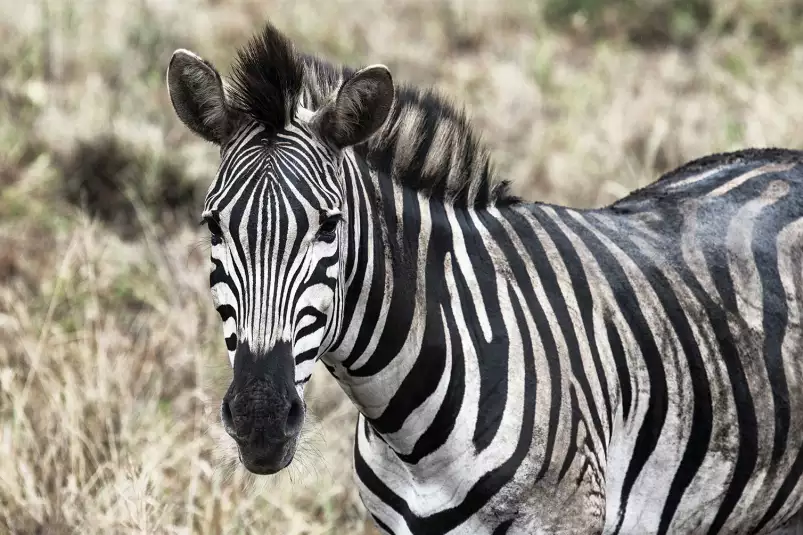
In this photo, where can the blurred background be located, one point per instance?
(112, 362)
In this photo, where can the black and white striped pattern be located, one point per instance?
(271, 281)
(521, 367)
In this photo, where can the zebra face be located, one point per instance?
(276, 280)
(278, 223)
(276, 243)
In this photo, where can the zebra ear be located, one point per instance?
(360, 108)
(196, 92)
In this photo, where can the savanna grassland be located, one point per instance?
(112, 361)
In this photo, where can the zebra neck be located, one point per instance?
(391, 304)
(437, 343)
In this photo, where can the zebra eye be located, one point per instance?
(326, 231)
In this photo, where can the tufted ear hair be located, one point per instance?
(360, 108)
(196, 92)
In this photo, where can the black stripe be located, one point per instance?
(745, 412)
(318, 323)
(789, 483)
(504, 527)
(402, 304)
(237, 152)
(490, 483)
(492, 357)
(423, 378)
(775, 309)
(443, 424)
(714, 217)
(226, 312)
(361, 255)
(702, 413)
(571, 451)
(259, 253)
(252, 161)
(716, 317)
(629, 307)
(712, 220)
(481, 259)
(381, 525)
(747, 454)
(283, 206)
(305, 356)
(582, 292)
(353, 199)
(218, 273)
(551, 287)
(243, 278)
(620, 359)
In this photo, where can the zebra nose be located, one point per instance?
(284, 420)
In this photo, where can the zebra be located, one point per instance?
(518, 367)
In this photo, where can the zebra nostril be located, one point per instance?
(227, 418)
(295, 418)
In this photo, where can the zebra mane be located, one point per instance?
(425, 144)
(266, 80)
(428, 145)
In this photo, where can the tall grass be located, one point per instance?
(112, 362)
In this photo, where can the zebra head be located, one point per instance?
(279, 225)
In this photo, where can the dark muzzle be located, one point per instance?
(262, 410)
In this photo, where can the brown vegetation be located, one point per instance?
(112, 361)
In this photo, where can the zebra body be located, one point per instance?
(518, 367)
(639, 393)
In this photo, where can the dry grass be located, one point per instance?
(111, 357)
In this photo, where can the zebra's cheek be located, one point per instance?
(320, 296)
